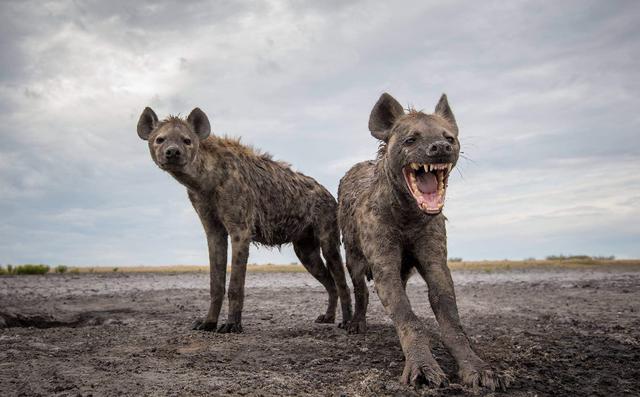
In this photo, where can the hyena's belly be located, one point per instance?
(281, 230)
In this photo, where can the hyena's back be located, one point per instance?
(285, 204)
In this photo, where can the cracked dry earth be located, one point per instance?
(561, 331)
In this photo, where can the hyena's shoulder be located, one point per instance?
(357, 180)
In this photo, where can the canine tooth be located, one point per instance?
(449, 167)
(415, 166)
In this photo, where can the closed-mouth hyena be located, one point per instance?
(246, 195)
(391, 221)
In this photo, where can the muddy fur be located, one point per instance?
(241, 193)
(388, 236)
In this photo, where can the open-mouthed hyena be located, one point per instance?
(391, 221)
(241, 193)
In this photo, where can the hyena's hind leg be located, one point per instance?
(330, 243)
(357, 266)
(308, 251)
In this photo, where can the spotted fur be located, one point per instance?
(387, 236)
(241, 193)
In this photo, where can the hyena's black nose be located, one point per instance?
(172, 152)
(440, 148)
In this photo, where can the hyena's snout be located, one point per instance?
(173, 154)
(440, 148)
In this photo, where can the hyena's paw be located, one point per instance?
(347, 316)
(482, 375)
(230, 328)
(430, 374)
(325, 319)
(356, 326)
(204, 325)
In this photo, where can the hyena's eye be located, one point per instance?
(187, 141)
(410, 141)
(159, 140)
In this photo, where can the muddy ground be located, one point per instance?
(561, 332)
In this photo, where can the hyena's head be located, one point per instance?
(173, 142)
(420, 149)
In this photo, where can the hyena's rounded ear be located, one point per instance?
(147, 122)
(200, 123)
(383, 115)
(444, 110)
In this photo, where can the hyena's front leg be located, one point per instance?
(240, 241)
(472, 370)
(217, 243)
(420, 365)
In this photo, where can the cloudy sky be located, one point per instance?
(547, 97)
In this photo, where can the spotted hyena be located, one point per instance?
(390, 214)
(240, 193)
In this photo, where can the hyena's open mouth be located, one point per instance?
(428, 184)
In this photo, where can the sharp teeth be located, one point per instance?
(449, 167)
(412, 180)
(432, 167)
(415, 166)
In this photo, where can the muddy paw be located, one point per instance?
(485, 376)
(430, 375)
(203, 325)
(324, 319)
(356, 327)
(230, 328)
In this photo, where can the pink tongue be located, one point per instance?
(427, 183)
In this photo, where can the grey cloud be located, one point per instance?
(545, 94)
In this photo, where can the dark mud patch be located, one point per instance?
(11, 319)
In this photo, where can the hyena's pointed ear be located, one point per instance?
(147, 122)
(200, 123)
(383, 115)
(443, 109)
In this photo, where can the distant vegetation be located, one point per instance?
(579, 257)
(455, 263)
(24, 269)
(61, 269)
